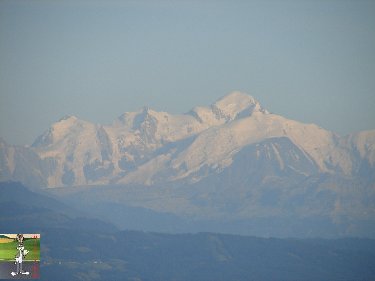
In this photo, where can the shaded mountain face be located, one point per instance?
(24, 165)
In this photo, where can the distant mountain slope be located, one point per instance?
(22, 210)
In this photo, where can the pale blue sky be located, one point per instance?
(312, 61)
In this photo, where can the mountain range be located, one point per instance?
(231, 161)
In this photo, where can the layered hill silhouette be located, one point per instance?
(80, 248)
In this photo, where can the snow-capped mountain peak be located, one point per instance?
(68, 118)
(67, 125)
(236, 105)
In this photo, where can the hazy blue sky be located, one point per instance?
(312, 61)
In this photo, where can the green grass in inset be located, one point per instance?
(8, 251)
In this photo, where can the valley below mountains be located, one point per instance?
(231, 167)
(77, 247)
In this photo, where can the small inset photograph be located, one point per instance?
(19, 256)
